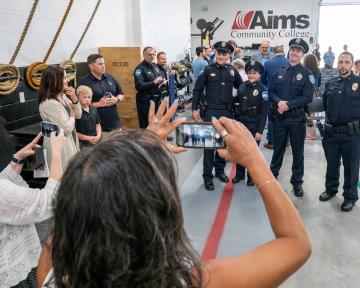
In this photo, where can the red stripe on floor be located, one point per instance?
(217, 229)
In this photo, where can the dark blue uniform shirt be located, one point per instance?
(341, 100)
(108, 115)
(254, 95)
(219, 82)
(144, 76)
(294, 84)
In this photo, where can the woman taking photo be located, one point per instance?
(115, 227)
(20, 208)
(58, 104)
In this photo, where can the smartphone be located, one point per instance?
(47, 128)
(108, 94)
(201, 135)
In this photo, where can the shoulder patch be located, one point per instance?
(265, 95)
(137, 72)
(312, 79)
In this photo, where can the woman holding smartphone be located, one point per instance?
(59, 105)
(134, 236)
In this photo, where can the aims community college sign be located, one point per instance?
(255, 24)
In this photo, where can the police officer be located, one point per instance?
(218, 79)
(290, 90)
(251, 107)
(342, 132)
(148, 80)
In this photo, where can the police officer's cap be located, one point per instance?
(300, 44)
(223, 47)
(254, 65)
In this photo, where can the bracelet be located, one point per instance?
(266, 182)
(17, 161)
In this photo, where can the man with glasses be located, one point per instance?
(264, 54)
(218, 80)
(148, 80)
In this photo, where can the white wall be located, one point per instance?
(166, 25)
(117, 23)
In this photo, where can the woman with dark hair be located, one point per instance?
(59, 105)
(311, 63)
(118, 228)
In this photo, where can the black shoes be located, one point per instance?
(325, 196)
(222, 177)
(237, 179)
(298, 191)
(249, 182)
(209, 185)
(347, 206)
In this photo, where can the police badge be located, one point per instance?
(255, 92)
(299, 76)
(355, 86)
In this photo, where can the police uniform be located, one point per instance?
(293, 84)
(218, 82)
(251, 106)
(144, 75)
(342, 137)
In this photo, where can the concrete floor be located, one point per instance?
(335, 236)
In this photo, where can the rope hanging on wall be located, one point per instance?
(9, 73)
(69, 65)
(34, 71)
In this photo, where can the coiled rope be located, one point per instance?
(34, 71)
(69, 65)
(9, 73)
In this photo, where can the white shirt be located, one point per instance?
(20, 208)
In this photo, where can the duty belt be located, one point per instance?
(218, 107)
(350, 128)
(251, 112)
(293, 112)
(154, 97)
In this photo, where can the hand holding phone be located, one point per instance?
(201, 135)
(47, 128)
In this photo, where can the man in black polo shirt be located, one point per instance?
(106, 93)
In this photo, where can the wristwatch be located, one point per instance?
(17, 161)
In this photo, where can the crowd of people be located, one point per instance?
(116, 228)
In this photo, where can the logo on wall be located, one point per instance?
(259, 25)
(242, 20)
(257, 19)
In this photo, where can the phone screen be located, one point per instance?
(47, 128)
(201, 135)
